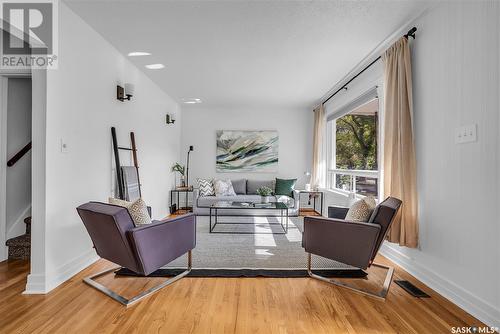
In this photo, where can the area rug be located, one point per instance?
(252, 255)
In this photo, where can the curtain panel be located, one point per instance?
(399, 148)
(318, 163)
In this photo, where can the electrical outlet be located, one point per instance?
(466, 134)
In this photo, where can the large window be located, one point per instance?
(354, 150)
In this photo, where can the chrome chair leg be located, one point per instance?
(127, 302)
(379, 295)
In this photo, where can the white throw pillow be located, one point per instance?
(206, 187)
(224, 188)
(361, 210)
(138, 210)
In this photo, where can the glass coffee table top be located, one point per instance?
(248, 205)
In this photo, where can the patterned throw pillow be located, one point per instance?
(206, 187)
(224, 188)
(138, 210)
(361, 210)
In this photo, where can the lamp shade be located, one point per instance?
(129, 89)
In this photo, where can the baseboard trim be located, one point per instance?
(459, 296)
(35, 285)
(42, 284)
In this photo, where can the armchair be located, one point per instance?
(352, 243)
(141, 249)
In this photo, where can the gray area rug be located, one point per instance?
(252, 251)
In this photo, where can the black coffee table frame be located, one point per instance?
(214, 211)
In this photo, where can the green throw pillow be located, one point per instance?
(285, 187)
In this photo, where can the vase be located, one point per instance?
(183, 181)
(264, 199)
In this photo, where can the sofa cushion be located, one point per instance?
(206, 187)
(285, 187)
(240, 186)
(209, 200)
(253, 185)
(224, 188)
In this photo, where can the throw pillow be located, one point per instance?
(224, 188)
(206, 187)
(285, 187)
(361, 210)
(138, 210)
(240, 186)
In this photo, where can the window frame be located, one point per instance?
(332, 171)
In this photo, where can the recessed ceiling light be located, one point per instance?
(155, 66)
(191, 101)
(138, 54)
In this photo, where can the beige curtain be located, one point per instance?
(399, 149)
(317, 163)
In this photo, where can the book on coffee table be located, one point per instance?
(262, 205)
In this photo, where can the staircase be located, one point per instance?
(20, 247)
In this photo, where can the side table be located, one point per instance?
(315, 192)
(176, 194)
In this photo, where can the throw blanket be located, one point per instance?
(130, 183)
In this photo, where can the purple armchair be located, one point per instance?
(140, 249)
(352, 243)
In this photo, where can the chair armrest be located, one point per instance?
(163, 241)
(296, 198)
(196, 195)
(352, 243)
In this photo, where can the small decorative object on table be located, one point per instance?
(308, 182)
(264, 193)
(181, 170)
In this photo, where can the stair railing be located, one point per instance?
(19, 155)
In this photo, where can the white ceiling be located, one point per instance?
(265, 53)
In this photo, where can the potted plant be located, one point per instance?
(264, 193)
(177, 167)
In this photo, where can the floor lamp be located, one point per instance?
(187, 175)
(187, 165)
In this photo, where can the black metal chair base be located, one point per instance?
(127, 302)
(381, 295)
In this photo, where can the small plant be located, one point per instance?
(178, 168)
(264, 191)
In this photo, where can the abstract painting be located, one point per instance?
(247, 151)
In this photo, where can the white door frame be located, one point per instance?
(36, 282)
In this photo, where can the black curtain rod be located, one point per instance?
(410, 33)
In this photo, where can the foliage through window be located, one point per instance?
(355, 150)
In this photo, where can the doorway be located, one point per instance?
(16, 167)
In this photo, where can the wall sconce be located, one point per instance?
(124, 94)
(169, 119)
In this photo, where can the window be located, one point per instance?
(354, 150)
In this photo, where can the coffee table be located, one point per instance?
(254, 207)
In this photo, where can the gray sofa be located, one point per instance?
(246, 191)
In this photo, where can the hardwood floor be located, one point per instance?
(220, 305)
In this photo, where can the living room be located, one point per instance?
(379, 116)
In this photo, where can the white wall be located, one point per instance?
(456, 82)
(295, 139)
(81, 108)
(18, 177)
